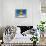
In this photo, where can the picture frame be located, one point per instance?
(21, 13)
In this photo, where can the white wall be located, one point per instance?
(33, 12)
(36, 12)
(0, 12)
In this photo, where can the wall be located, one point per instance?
(0, 12)
(33, 12)
(36, 12)
(1, 17)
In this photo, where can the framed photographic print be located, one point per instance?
(21, 13)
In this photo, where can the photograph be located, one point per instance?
(21, 13)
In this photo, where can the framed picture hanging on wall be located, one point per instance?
(21, 13)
